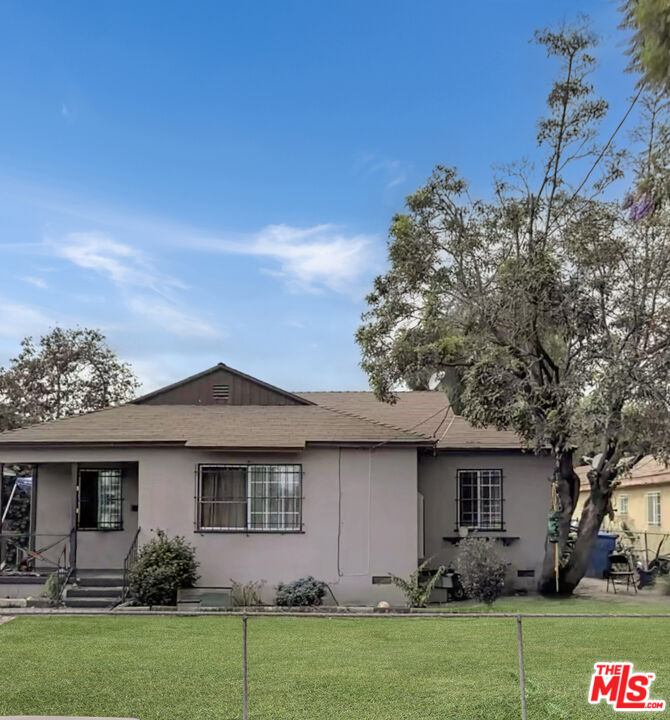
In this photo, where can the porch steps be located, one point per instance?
(94, 590)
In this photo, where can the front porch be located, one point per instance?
(66, 517)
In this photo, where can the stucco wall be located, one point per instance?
(636, 518)
(54, 514)
(370, 495)
(526, 502)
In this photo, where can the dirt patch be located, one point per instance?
(6, 618)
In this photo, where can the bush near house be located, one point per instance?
(301, 593)
(481, 568)
(247, 594)
(163, 566)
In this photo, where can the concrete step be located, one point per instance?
(95, 591)
(99, 580)
(78, 602)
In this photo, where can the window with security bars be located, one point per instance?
(480, 499)
(654, 508)
(622, 504)
(261, 498)
(99, 499)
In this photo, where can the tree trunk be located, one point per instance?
(567, 487)
(593, 514)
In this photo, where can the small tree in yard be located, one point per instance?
(163, 566)
(544, 310)
(481, 569)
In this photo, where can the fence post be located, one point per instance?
(245, 683)
(522, 674)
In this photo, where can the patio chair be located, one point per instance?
(621, 569)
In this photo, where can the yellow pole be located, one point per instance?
(554, 504)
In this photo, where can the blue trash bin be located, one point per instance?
(599, 560)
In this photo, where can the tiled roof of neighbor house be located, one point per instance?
(648, 471)
(427, 412)
(237, 426)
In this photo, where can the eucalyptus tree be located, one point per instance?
(543, 309)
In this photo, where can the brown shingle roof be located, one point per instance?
(238, 426)
(427, 412)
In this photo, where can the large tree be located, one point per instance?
(544, 309)
(68, 371)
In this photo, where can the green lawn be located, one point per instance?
(613, 604)
(173, 668)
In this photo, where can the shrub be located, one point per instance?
(481, 568)
(247, 594)
(53, 588)
(304, 592)
(163, 566)
(417, 593)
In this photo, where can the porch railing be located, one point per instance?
(127, 563)
(36, 553)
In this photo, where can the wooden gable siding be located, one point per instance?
(241, 390)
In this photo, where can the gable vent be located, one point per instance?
(220, 392)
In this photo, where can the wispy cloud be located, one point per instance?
(393, 171)
(309, 259)
(121, 263)
(37, 282)
(168, 317)
(64, 111)
(305, 259)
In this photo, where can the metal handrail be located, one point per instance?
(127, 562)
(19, 551)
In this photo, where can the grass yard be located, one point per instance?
(172, 668)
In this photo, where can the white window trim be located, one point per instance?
(651, 520)
(619, 503)
(479, 471)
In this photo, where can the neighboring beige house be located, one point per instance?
(272, 485)
(641, 501)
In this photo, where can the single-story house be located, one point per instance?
(274, 485)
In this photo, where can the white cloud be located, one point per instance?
(64, 111)
(166, 316)
(37, 282)
(122, 264)
(309, 258)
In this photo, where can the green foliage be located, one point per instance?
(53, 588)
(301, 593)
(417, 591)
(649, 21)
(247, 594)
(481, 568)
(65, 373)
(163, 566)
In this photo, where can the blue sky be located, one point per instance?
(213, 182)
